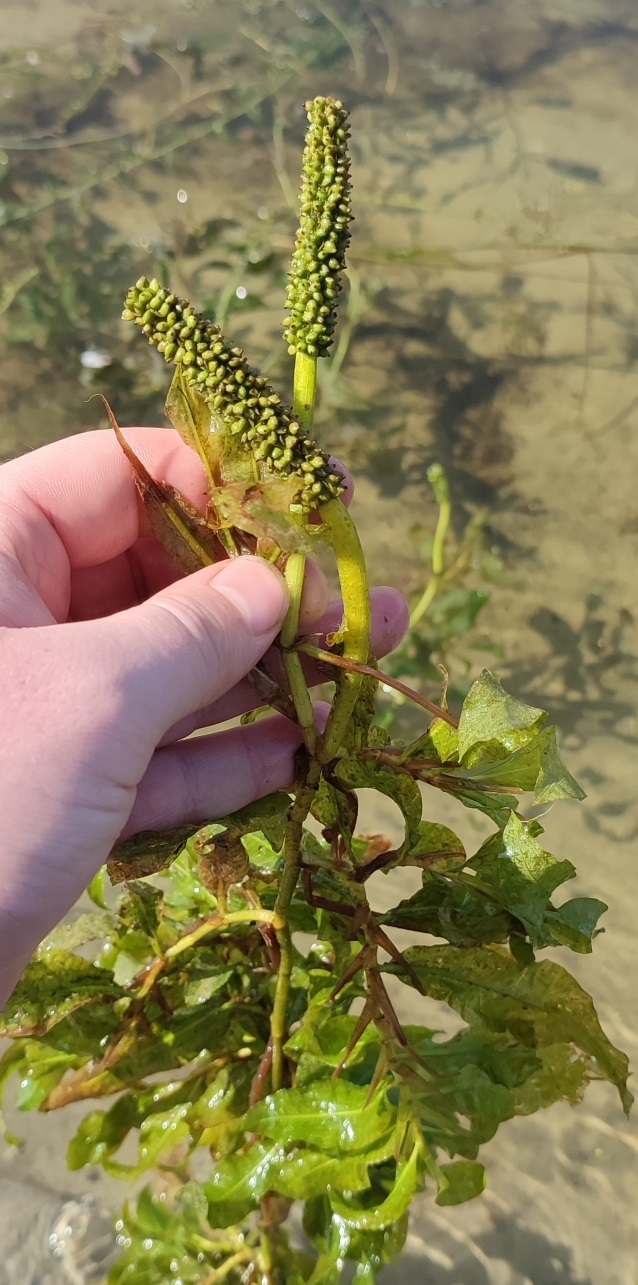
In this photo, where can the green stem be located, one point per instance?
(292, 866)
(304, 393)
(294, 576)
(215, 924)
(305, 389)
(354, 631)
(439, 482)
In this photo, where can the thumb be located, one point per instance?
(190, 644)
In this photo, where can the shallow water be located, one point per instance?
(492, 327)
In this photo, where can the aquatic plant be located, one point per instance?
(251, 1070)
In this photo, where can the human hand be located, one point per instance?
(108, 659)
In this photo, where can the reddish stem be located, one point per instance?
(356, 667)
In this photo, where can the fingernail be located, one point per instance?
(256, 589)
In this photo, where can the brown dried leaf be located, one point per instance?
(183, 531)
(147, 853)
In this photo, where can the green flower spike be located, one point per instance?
(324, 230)
(237, 394)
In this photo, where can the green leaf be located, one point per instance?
(490, 714)
(481, 1080)
(445, 740)
(307, 1174)
(574, 923)
(200, 989)
(536, 766)
(390, 1210)
(87, 927)
(97, 889)
(398, 786)
(494, 805)
(141, 908)
(190, 415)
(159, 1133)
(51, 987)
(239, 1182)
(538, 1004)
(436, 847)
(463, 1180)
(456, 912)
(519, 875)
(267, 816)
(554, 781)
(330, 1115)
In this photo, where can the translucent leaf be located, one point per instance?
(262, 508)
(498, 807)
(97, 889)
(485, 1079)
(330, 1115)
(538, 1004)
(52, 987)
(519, 875)
(463, 1180)
(398, 786)
(536, 766)
(141, 908)
(239, 1182)
(490, 714)
(574, 924)
(458, 913)
(376, 1217)
(190, 415)
(87, 927)
(435, 844)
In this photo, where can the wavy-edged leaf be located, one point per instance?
(456, 912)
(519, 875)
(462, 1180)
(239, 1181)
(536, 767)
(334, 1116)
(396, 1203)
(51, 988)
(357, 774)
(538, 1004)
(147, 853)
(262, 508)
(490, 714)
(90, 926)
(574, 924)
(435, 847)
